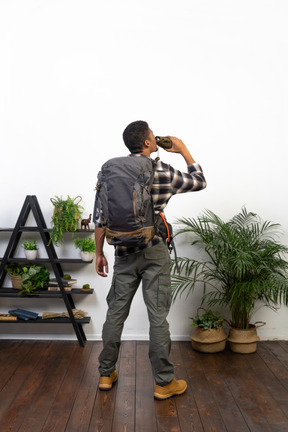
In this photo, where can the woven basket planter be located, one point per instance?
(208, 341)
(16, 282)
(243, 341)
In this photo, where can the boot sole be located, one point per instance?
(162, 397)
(106, 386)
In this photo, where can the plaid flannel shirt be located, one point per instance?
(167, 182)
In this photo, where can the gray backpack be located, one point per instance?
(124, 200)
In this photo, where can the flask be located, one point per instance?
(163, 142)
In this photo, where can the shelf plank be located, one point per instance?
(46, 260)
(10, 292)
(36, 229)
(39, 320)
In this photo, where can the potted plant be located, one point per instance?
(27, 278)
(242, 266)
(208, 335)
(30, 249)
(87, 248)
(15, 272)
(33, 277)
(66, 216)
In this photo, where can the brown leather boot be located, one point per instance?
(172, 389)
(106, 382)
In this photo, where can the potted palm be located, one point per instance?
(243, 265)
(208, 335)
(30, 248)
(87, 248)
(65, 218)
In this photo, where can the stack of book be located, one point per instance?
(54, 286)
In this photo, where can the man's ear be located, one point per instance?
(146, 143)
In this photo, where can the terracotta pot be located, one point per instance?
(243, 341)
(208, 341)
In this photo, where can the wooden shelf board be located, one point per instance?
(47, 260)
(59, 320)
(10, 292)
(35, 228)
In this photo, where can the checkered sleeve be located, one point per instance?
(192, 181)
(97, 212)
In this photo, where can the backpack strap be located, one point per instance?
(164, 229)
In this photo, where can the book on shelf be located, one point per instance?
(7, 317)
(64, 281)
(57, 288)
(23, 314)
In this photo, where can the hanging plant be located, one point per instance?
(66, 216)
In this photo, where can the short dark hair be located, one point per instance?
(135, 135)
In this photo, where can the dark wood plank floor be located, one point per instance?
(52, 386)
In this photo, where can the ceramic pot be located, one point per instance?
(86, 256)
(31, 254)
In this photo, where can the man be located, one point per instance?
(149, 264)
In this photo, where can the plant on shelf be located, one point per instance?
(66, 216)
(15, 272)
(208, 335)
(243, 265)
(30, 245)
(86, 287)
(27, 278)
(33, 277)
(87, 248)
(14, 269)
(30, 248)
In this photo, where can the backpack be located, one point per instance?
(123, 198)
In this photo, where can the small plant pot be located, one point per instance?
(243, 341)
(16, 282)
(31, 254)
(86, 256)
(208, 341)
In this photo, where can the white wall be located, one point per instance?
(74, 73)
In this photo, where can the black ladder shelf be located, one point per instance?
(31, 204)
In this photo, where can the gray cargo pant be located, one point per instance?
(152, 267)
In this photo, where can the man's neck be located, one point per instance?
(143, 153)
(146, 152)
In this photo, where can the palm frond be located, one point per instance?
(243, 263)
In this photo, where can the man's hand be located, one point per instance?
(101, 265)
(101, 262)
(178, 146)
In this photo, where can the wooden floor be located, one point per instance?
(52, 386)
